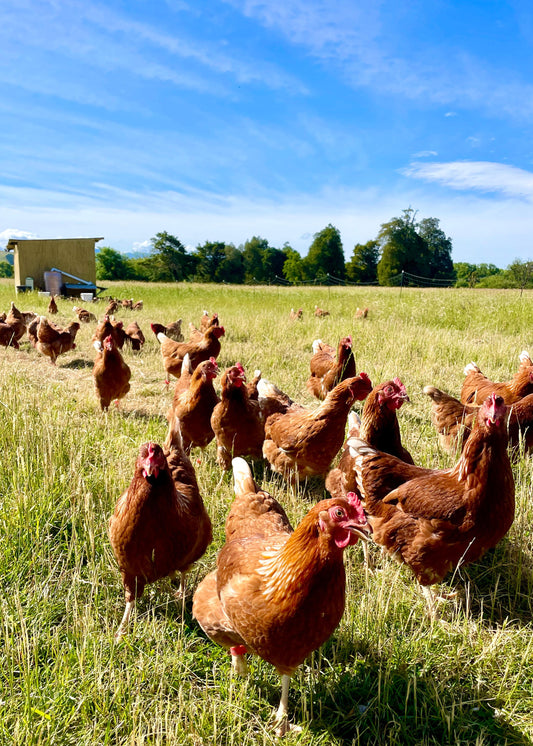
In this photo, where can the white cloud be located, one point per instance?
(482, 229)
(482, 176)
(8, 233)
(425, 154)
(142, 247)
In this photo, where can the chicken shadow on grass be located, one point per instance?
(380, 703)
(499, 586)
(78, 363)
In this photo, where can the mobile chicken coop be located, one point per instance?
(61, 266)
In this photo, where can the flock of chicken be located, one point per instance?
(271, 580)
(279, 592)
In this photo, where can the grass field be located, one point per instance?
(389, 675)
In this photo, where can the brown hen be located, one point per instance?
(378, 427)
(303, 443)
(194, 405)
(53, 341)
(276, 592)
(477, 386)
(174, 352)
(328, 368)
(236, 420)
(160, 526)
(111, 374)
(433, 520)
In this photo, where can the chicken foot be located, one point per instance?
(124, 622)
(281, 721)
(433, 600)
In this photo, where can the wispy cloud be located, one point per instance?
(361, 39)
(482, 228)
(480, 176)
(103, 40)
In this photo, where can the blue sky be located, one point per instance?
(218, 121)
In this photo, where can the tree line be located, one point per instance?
(404, 250)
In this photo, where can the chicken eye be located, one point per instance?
(339, 513)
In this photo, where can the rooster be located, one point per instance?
(378, 427)
(236, 420)
(174, 352)
(111, 374)
(303, 443)
(51, 340)
(477, 386)
(276, 592)
(160, 526)
(326, 369)
(433, 520)
(194, 405)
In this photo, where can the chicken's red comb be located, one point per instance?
(365, 377)
(239, 366)
(355, 502)
(212, 360)
(400, 385)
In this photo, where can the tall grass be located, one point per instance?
(388, 675)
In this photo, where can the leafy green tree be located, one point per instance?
(232, 269)
(521, 273)
(293, 267)
(6, 269)
(402, 249)
(111, 264)
(470, 275)
(465, 274)
(171, 262)
(439, 247)
(273, 262)
(210, 260)
(253, 251)
(325, 255)
(363, 266)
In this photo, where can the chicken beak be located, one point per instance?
(363, 532)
